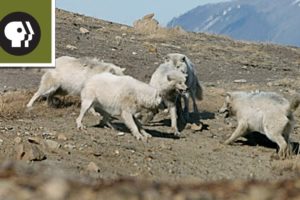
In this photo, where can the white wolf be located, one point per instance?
(160, 80)
(182, 63)
(69, 76)
(264, 112)
(123, 96)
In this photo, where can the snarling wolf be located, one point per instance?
(161, 79)
(183, 63)
(266, 112)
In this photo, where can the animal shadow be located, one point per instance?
(159, 134)
(258, 139)
(123, 128)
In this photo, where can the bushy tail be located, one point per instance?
(199, 91)
(295, 102)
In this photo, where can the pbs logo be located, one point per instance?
(20, 33)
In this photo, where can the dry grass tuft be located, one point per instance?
(12, 104)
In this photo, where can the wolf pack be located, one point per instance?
(107, 92)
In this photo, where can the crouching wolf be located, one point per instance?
(264, 112)
(123, 96)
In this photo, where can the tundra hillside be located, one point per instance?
(44, 155)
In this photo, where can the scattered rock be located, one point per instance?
(84, 30)
(29, 152)
(240, 81)
(92, 167)
(62, 137)
(118, 40)
(17, 140)
(245, 67)
(71, 47)
(147, 24)
(120, 134)
(1, 141)
(52, 145)
(49, 134)
(134, 53)
(148, 16)
(69, 146)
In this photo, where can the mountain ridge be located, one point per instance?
(259, 20)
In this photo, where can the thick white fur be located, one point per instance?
(161, 79)
(264, 112)
(70, 75)
(183, 63)
(118, 96)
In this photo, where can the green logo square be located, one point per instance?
(27, 33)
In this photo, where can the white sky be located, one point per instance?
(127, 11)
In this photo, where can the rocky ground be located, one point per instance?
(44, 155)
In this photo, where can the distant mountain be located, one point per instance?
(276, 21)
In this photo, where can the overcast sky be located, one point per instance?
(127, 11)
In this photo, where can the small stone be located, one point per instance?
(29, 152)
(84, 30)
(134, 53)
(53, 145)
(240, 81)
(245, 67)
(62, 137)
(117, 152)
(71, 47)
(92, 167)
(120, 134)
(1, 141)
(49, 134)
(18, 140)
(69, 146)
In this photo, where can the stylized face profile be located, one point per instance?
(17, 32)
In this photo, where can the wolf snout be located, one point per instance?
(224, 112)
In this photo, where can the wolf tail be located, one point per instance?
(295, 102)
(199, 91)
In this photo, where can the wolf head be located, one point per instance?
(177, 81)
(178, 61)
(227, 105)
(116, 70)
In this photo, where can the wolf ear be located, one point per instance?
(170, 77)
(228, 95)
(111, 70)
(183, 59)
